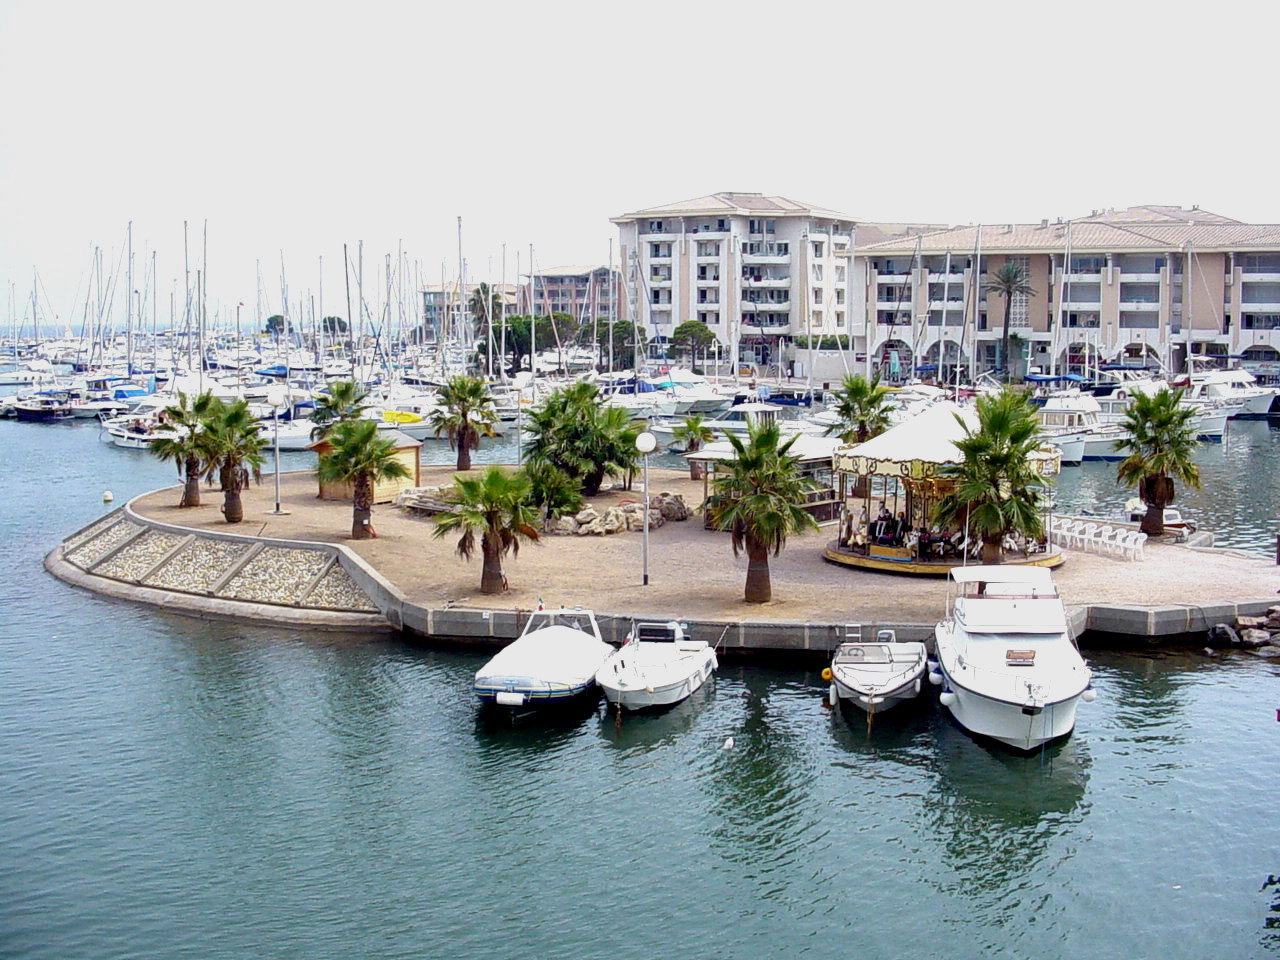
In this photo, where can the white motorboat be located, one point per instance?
(554, 659)
(876, 675)
(738, 420)
(1069, 420)
(1008, 667)
(657, 666)
(1236, 389)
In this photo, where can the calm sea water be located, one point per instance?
(172, 788)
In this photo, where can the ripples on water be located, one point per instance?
(172, 788)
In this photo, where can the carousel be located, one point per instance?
(888, 489)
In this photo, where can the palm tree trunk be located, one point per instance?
(464, 448)
(491, 579)
(362, 509)
(759, 587)
(591, 483)
(1004, 336)
(992, 551)
(191, 487)
(232, 506)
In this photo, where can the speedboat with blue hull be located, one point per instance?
(554, 659)
(1008, 667)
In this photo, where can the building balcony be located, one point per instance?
(707, 281)
(955, 278)
(705, 304)
(1088, 276)
(1140, 306)
(709, 234)
(775, 306)
(893, 278)
(1260, 307)
(1139, 278)
(1259, 275)
(764, 258)
(766, 283)
(659, 282)
(1083, 306)
(952, 305)
(765, 326)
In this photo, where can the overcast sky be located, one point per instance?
(294, 128)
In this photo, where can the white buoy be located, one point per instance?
(107, 496)
(946, 698)
(728, 743)
(935, 678)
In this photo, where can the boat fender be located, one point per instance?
(935, 678)
(917, 685)
(833, 695)
(946, 698)
(1089, 695)
(826, 673)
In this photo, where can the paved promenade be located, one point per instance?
(692, 571)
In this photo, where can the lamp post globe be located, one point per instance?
(646, 443)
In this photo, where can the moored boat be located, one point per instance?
(1007, 664)
(657, 666)
(554, 659)
(876, 675)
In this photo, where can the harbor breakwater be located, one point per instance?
(328, 586)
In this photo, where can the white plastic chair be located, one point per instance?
(1105, 539)
(1137, 546)
(1086, 536)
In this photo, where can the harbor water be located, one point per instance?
(174, 788)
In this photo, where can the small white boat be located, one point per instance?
(876, 675)
(657, 666)
(554, 659)
(1006, 662)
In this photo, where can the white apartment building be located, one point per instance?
(1147, 285)
(757, 271)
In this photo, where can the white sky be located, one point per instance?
(293, 128)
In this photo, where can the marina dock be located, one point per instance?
(407, 579)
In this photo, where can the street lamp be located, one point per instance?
(277, 397)
(646, 443)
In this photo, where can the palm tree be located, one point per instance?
(861, 406)
(185, 420)
(997, 489)
(759, 501)
(694, 434)
(467, 416)
(1009, 280)
(496, 505)
(233, 445)
(358, 456)
(572, 430)
(343, 400)
(1159, 438)
(552, 491)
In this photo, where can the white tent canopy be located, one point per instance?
(915, 449)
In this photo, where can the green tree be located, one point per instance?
(998, 491)
(1159, 440)
(184, 442)
(233, 453)
(485, 305)
(1008, 281)
(626, 338)
(572, 430)
(552, 491)
(862, 407)
(694, 433)
(692, 337)
(496, 506)
(466, 415)
(278, 326)
(341, 401)
(759, 501)
(359, 456)
(332, 326)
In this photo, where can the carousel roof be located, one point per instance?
(806, 448)
(919, 448)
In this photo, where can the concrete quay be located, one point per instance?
(418, 584)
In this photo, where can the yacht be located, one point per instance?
(657, 666)
(1069, 420)
(875, 676)
(554, 659)
(1237, 389)
(738, 420)
(1008, 667)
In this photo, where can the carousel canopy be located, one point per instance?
(807, 448)
(916, 449)
(919, 448)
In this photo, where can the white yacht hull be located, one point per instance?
(1021, 726)
(631, 691)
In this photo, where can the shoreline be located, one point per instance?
(412, 582)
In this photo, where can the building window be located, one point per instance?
(817, 272)
(818, 248)
(656, 226)
(659, 249)
(817, 294)
(840, 295)
(840, 274)
(708, 248)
